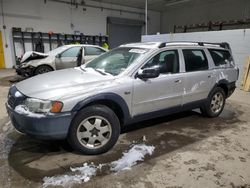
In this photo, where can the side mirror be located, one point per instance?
(152, 72)
(58, 56)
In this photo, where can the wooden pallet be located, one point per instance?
(245, 84)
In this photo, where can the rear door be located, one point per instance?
(199, 78)
(68, 58)
(162, 92)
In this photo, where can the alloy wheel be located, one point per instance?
(94, 132)
(217, 102)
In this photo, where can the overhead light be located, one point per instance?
(175, 2)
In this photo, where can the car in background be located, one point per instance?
(33, 63)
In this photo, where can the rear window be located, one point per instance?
(220, 57)
(195, 60)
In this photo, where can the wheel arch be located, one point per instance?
(222, 84)
(111, 100)
(42, 65)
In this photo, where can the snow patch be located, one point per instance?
(184, 91)
(130, 158)
(83, 174)
(21, 109)
(202, 82)
(195, 87)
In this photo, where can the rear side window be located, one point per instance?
(195, 60)
(93, 51)
(220, 57)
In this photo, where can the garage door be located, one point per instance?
(122, 31)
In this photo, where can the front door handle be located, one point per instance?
(177, 81)
(209, 76)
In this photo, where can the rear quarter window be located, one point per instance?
(220, 57)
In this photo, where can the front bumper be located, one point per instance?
(49, 127)
(26, 72)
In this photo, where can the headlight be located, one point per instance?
(43, 106)
(23, 64)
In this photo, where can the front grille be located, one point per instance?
(13, 101)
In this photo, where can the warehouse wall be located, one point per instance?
(199, 11)
(238, 39)
(57, 17)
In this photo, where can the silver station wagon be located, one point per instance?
(90, 104)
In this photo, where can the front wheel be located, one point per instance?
(215, 103)
(42, 69)
(94, 130)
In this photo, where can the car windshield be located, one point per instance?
(116, 61)
(57, 50)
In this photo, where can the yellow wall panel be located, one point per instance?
(2, 64)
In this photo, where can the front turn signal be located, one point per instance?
(56, 107)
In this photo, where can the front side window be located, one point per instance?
(167, 61)
(116, 61)
(71, 52)
(93, 51)
(195, 60)
(220, 57)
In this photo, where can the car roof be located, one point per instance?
(71, 45)
(148, 45)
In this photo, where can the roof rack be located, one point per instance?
(222, 45)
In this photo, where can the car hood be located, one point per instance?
(32, 55)
(58, 84)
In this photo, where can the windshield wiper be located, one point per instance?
(97, 70)
(82, 69)
(100, 71)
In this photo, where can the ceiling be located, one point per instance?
(156, 5)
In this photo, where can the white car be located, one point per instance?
(67, 56)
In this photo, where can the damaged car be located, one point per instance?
(33, 63)
(90, 104)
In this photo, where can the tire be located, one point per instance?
(94, 130)
(215, 103)
(42, 69)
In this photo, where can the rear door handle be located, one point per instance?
(177, 81)
(209, 76)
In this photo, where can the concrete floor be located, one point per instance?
(190, 151)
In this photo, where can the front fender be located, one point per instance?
(108, 97)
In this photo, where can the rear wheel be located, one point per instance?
(94, 130)
(215, 103)
(42, 69)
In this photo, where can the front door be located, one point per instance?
(162, 92)
(68, 58)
